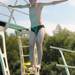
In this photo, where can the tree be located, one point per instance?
(13, 53)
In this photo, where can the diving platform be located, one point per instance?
(13, 26)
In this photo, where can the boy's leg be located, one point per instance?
(31, 47)
(39, 42)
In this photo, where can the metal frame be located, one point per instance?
(3, 55)
(63, 58)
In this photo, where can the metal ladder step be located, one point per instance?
(24, 65)
(24, 46)
(25, 55)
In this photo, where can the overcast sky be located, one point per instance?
(63, 14)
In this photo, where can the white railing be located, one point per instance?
(61, 50)
(3, 55)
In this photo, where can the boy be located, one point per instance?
(37, 29)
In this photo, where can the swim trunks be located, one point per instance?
(37, 28)
(2, 23)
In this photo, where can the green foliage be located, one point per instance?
(61, 38)
(12, 53)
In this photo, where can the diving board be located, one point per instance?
(13, 26)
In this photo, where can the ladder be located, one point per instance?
(3, 55)
(22, 33)
(66, 66)
(25, 65)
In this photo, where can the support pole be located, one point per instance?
(3, 55)
(66, 66)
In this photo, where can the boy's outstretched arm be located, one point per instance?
(20, 6)
(53, 2)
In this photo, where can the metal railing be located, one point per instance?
(61, 50)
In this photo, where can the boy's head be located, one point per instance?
(32, 1)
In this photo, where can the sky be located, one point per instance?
(63, 14)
